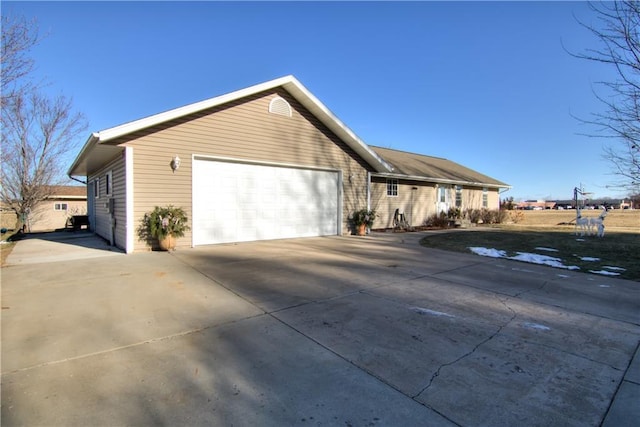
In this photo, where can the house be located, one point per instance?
(421, 185)
(266, 162)
(52, 213)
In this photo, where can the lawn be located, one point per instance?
(617, 253)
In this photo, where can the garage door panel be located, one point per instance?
(235, 202)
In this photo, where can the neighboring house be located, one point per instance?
(52, 213)
(266, 162)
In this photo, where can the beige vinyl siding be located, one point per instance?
(423, 203)
(102, 221)
(45, 218)
(416, 204)
(242, 130)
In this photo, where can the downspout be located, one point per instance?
(368, 190)
(79, 180)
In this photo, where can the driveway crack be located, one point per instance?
(436, 374)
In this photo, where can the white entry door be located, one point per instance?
(239, 202)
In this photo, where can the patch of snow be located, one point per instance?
(564, 276)
(589, 258)
(579, 240)
(604, 272)
(542, 259)
(608, 267)
(494, 253)
(537, 326)
(423, 311)
(523, 256)
(547, 249)
(604, 286)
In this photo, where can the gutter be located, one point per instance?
(439, 180)
(91, 141)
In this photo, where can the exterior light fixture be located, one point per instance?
(175, 163)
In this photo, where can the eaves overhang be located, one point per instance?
(440, 180)
(289, 83)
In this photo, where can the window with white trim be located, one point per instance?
(485, 197)
(442, 194)
(458, 196)
(392, 188)
(60, 206)
(96, 188)
(108, 183)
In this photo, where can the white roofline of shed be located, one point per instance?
(290, 83)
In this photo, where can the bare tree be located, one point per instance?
(18, 37)
(37, 131)
(37, 134)
(618, 31)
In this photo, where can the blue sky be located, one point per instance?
(485, 84)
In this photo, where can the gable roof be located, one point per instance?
(95, 151)
(434, 169)
(68, 192)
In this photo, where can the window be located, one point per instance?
(60, 206)
(442, 194)
(485, 197)
(392, 187)
(108, 183)
(458, 196)
(96, 188)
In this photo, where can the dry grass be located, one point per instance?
(620, 246)
(616, 220)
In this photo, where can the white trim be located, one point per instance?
(289, 83)
(128, 173)
(259, 163)
(438, 180)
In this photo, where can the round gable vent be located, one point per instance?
(280, 106)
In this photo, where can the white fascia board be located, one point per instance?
(136, 125)
(91, 141)
(314, 105)
(437, 180)
(290, 83)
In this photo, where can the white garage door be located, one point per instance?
(238, 202)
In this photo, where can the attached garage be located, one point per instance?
(239, 202)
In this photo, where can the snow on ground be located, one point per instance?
(544, 259)
(493, 253)
(537, 326)
(524, 256)
(546, 249)
(604, 272)
(423, 311)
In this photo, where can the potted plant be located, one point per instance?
(363, 219)
(164, 224)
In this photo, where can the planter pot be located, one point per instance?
(361, 230)
(168, 243)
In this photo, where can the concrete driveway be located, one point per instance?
(321, 331)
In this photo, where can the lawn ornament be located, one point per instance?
(582, 223)
(597, 222)
(601, 230)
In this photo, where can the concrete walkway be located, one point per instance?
(322, 331)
